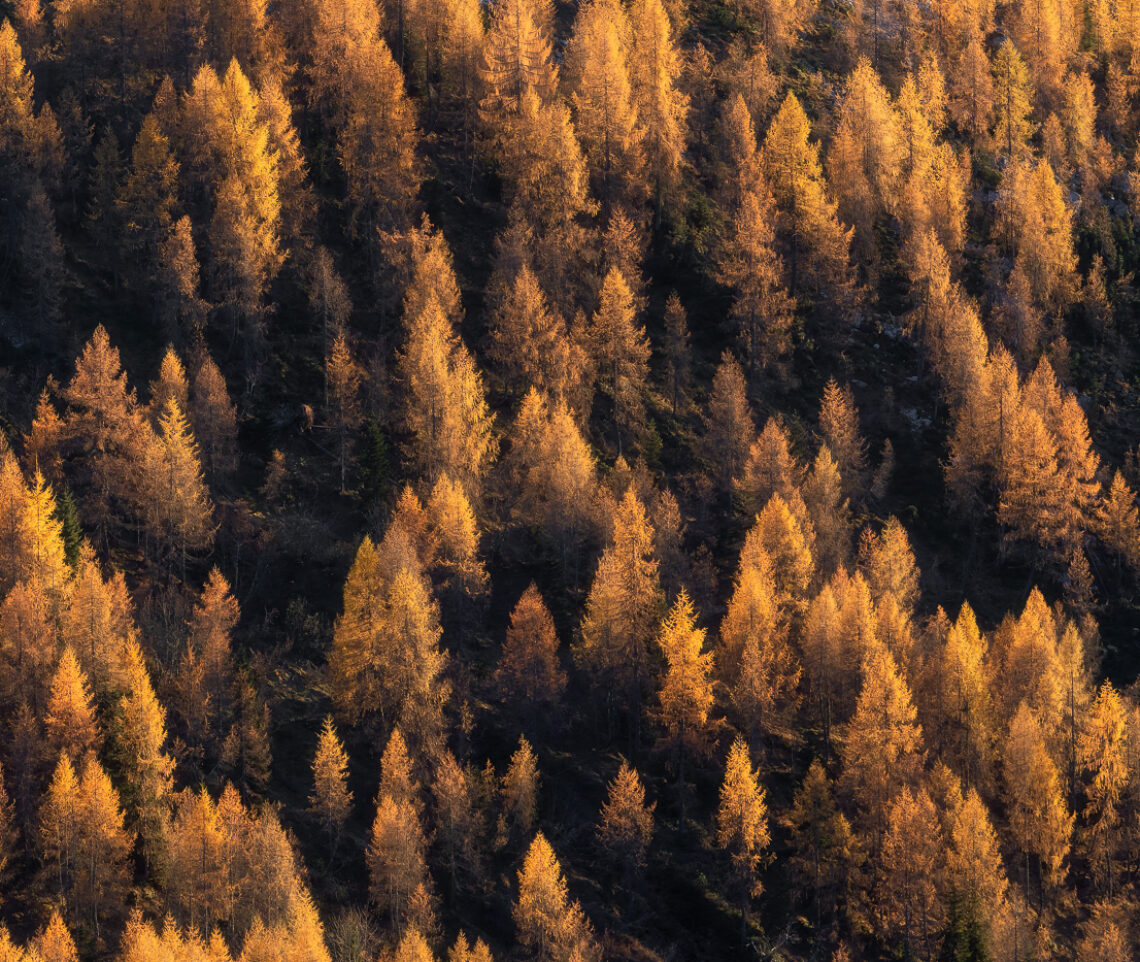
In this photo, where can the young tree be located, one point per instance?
(909, 899)
(881, 745)
(529, 672)
(70, 724)
(520, 791)
(331, 801)
(1038, 817)
(620, 350)
(678, 358)
(396, 859)
(550, 927)
(839, 427)
(742, 825)
(622, 612)
(728, 421)
(176, 503)
(455, 534)
(825, 848)
(343, 376)
(214, 418)
(139, 742)
(625, 828)
(686, 693)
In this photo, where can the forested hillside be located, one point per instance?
(530, 480)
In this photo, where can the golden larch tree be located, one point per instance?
(1038, 816)
(742, 825)
(625, 826)
(549, 925)
(529, 672)
(331, 800)
(622, 611)
(396, 859)
(686, 694)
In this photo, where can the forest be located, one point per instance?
(569, 480)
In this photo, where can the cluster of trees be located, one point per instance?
(542, 591)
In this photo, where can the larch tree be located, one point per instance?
(971, 94)
(729, 422)
(331, 800)
(529, 340)
(882, 744)
(662, 108)
(97, 622)
(517, 61)
(909, 903)
(550, 927)
(974, 871)
(625, 826)
(742, 826)
(784, 533)
(455, 532)
(756, 661)
(9, 831)
(829, 512)
(686, 694)
(749, 263)
(771, 468)
(396, 859)
(1012, 95)
(1038, 817)
(139, 740)
(53, 943)
(1118, 523)
(529, 672)
(244, 230)
(1102, 749)
(446, 409)
(176, 506)
(207, 670)
(170, 383)
(556, 473)
(825, 850)
(344, 377)
(458, 820)
(965, 717)
(1036, 223)
(866, 157)
(147, 199)
(70, 724)
(386, 656)
(622, 612)
(606, 118)
(839, 428)
(520, 792)
(814, 243)
(620, 350)
(377, 142)
(82, 833)
(678, 356)
(214, 418)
